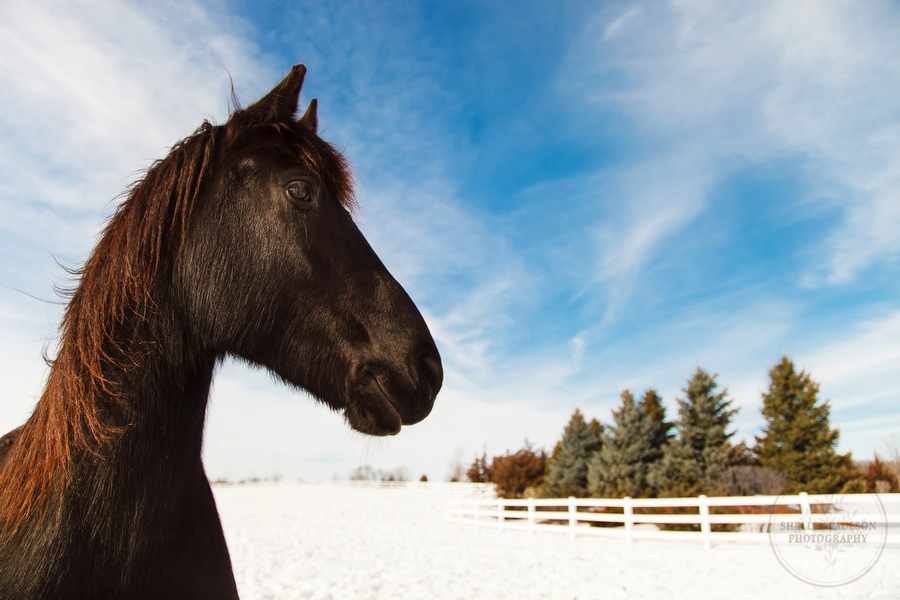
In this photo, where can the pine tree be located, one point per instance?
(693, 460)
(621, 466)
(661, 432)
(567, 467)
(798, 440)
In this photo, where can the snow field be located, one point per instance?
(339, 542)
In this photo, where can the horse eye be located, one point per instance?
(299, 191)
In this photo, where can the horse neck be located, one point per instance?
(149, 415)
(159, 401)
(136, 517)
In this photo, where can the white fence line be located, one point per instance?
(638, 518)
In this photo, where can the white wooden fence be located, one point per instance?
(638, 518)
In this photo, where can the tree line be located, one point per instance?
(643, 454)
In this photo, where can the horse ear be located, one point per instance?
(310, 118)
(280, 104)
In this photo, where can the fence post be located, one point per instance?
(500, 515)
(531, 510)
(705, 528)
(806, 511)
(573, 516)
(628, 509)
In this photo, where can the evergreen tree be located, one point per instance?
(621, 466)
(693, 460)
(741, 455)
(661, 432)
(567, 467)
(798, 440)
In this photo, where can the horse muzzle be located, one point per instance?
(381, 399)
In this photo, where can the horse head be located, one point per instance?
(273, 269)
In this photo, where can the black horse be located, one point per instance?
(240, 242)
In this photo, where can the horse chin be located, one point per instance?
(381, 420)
(371, 408)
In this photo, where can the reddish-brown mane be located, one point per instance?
(114, 287)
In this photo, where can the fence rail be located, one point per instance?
(709, 519)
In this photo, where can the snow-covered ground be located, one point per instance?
(337, 542)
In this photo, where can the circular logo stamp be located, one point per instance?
(829, 541)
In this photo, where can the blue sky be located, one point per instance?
(581, 197)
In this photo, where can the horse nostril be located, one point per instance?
(432, 371)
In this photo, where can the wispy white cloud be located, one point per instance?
(740, 83)
(647, 206)
(97, 91)
(612, 29)
(860, 366)
(92, 94)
